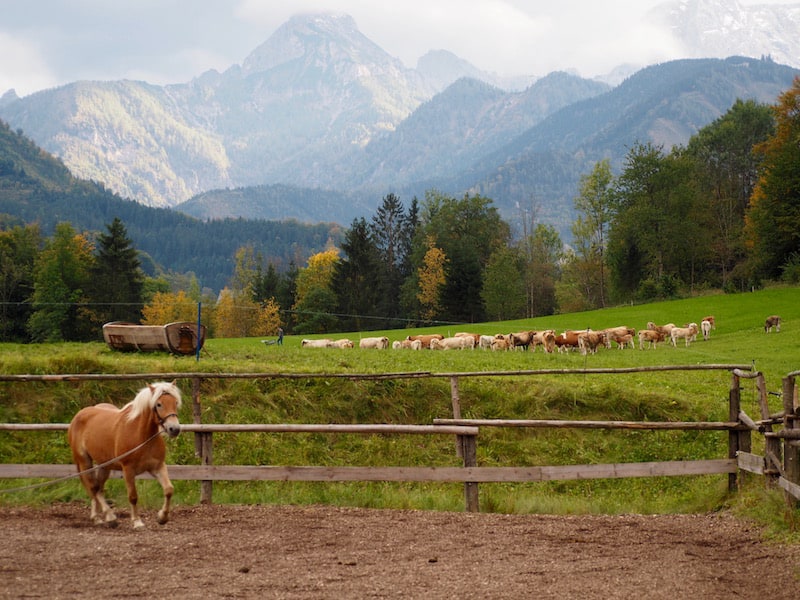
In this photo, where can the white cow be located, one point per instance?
(705, 325)
(687, 333)
(379, 343)
(485, 341)
(323, 343)
(453, 343)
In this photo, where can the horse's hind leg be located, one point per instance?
(163, 478)
(107, 514)
(94, 482)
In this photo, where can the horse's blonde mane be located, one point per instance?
(147, 397)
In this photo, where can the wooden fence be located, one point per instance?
(780, 463)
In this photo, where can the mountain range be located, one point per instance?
(319, 123)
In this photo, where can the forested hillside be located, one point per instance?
(35, 187)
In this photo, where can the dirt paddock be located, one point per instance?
(325, 552)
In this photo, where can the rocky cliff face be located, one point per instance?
(720, 28)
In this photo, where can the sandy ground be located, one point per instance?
(325, 552)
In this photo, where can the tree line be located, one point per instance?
(722, 212)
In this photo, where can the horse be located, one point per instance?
(127, 439)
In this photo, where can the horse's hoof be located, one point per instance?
(112, 524)
(138, 525)
(162, 519)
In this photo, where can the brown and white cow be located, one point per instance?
(772, 322)
(651, 337)
(425, 339)
(588, 341)
(567, 340)
(521, 339)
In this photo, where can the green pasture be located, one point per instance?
(666, 395)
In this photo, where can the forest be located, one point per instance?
(721, 213)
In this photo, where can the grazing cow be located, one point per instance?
(407, 345)
(620, 331)
(425, 340)
(705, 326)
(521, 339)
(453, 343)
(342, 343)
(687, 333)
(378, 343)
(665, 329)
(588, 341)
(538, 339)
(475, 336)
(623, 340)
(651, 337)
(710, 319)
(549, 341)
(567, 340)
(323, 343)
(500, 342)
(772, 321)
(485, 341)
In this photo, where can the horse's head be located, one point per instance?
(165, 408)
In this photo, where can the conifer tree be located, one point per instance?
(117, 282)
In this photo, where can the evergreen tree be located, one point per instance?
(357, 280)
(387, 230)
(117, 281)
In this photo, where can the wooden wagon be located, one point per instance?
(180, 337)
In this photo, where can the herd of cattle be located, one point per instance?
(581, 340)
(585, 341)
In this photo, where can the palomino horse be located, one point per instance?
(127, 439)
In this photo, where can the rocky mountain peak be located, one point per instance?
(314, 38)
(720, 28)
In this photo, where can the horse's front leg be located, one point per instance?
(162, 476)
(133, 497)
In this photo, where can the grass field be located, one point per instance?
(738, 339)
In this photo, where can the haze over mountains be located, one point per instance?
(319, 123)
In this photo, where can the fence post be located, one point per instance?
(456, 401)
(791, 448)
(736, 440)
(203, 444)
(469, 446)
(772, 445)
(207, 459)
(197, 415)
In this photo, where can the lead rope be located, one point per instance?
(80, 473)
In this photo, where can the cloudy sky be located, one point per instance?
(45, 43)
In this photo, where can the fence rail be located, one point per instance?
(780, 463)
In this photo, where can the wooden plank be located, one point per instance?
(34, 426)
(788, 486)
(364, 376)
(752, 463)
(554, 424)
(418, 474)
(329, 428)
(279, 428)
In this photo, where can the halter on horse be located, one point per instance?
(127, 439)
